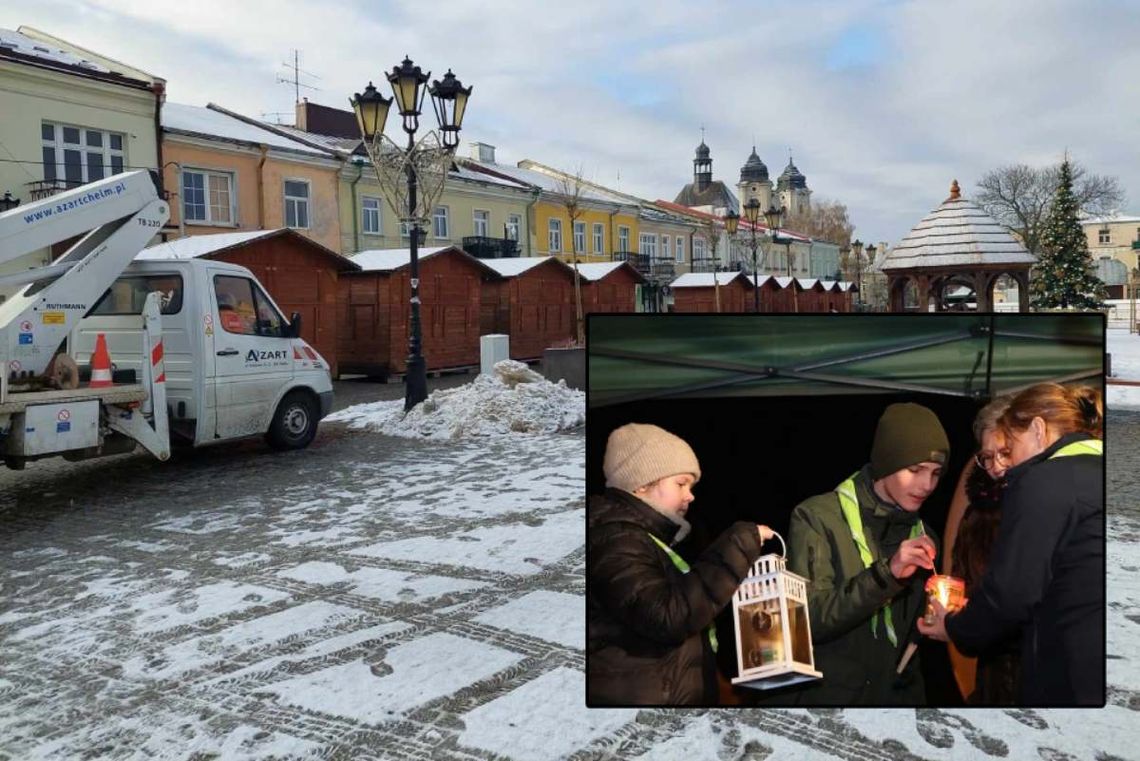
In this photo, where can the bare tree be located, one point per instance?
(712, 230)
(570, 188)
(1018, 196)
(826, 220)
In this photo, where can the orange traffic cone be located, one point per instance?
(100, 364)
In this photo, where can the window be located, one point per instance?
(297, 204)
(680, 248)
(555, 236)
(623, 238)
(77, 155)
(439, 222)
(370, 215)
(207, 197)
(698, 249)
(244, 309)
(647, 245)
(665, 247)
(599, 238)
(1105, 235)
(405, 229)
(513, 222)
(579, 237)
(127, 295)
(482, 223)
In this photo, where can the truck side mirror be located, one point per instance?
(294, 330)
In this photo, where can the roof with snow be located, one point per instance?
(196, 246)
(340, 145)
(1109, 220)
(388, 259)
(21, 44)
(209, 122)
(956, 234)
(543, 181)
(704, 279)
(597, 270)
(513, 266)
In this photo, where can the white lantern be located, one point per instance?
(773, 634)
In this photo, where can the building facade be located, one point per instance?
(70, 116)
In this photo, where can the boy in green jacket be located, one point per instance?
(861, 546)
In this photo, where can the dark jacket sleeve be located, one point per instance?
(634, 580)
(836, 605)
(1036, 515)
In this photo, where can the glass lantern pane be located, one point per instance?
(798, 624)
(761, 635)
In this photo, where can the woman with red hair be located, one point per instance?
(1046, 573)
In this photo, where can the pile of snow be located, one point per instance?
(514, 399)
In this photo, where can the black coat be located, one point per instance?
(1046, 574)
(646, 621)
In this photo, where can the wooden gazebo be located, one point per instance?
(958, 244)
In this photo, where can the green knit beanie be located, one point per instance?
(907, 434)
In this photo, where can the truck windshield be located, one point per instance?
(128, 294)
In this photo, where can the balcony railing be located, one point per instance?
(640, 262)
(665, 269)
(706, 264)
(483, 247)
(41, 189)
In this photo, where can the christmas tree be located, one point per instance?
(1063, 277)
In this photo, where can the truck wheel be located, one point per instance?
(295, 422)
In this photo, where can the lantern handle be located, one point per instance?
(783, 547)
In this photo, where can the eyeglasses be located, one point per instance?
(986, 459)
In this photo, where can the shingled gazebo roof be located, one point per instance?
(957, 234)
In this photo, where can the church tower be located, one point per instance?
(702, 168)
(794, 193)
(754, 182)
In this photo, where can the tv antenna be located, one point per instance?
(297, 73)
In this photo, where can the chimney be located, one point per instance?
(483, 152)
(301, 115)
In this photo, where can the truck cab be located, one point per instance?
(234, 365)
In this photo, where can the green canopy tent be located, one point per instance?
(638, 358)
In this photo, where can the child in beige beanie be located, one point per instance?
(650, 613)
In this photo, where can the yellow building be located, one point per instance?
(607, 224)
(69, 116)
(225, 173)
(1115, 238)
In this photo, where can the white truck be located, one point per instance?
(200, 351)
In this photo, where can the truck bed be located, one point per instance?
(18, 401)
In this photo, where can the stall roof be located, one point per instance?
(633, 358)
(513, 266)
(196, 246)
(704, 279)
(597, 270)
(391, 259)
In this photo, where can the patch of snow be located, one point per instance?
(552, 616)
(202, 651)
(173, 608)
(519, 548)
(1125, 350)
(241, 560)
(543, 720)
(514, 399)
(381, 584)
(410, 675)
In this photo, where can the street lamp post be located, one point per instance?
(752, 214)
(731, 225)
(412, 178)
(857, 250)
(773, 218)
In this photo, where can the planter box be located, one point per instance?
(565, 364)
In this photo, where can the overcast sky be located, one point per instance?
(882, 103)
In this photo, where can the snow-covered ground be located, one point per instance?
(427, 604)
(1125, 350)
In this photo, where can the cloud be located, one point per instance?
(882, 102)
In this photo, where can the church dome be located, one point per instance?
(702, 151)
(754, 169)
(792, 177)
